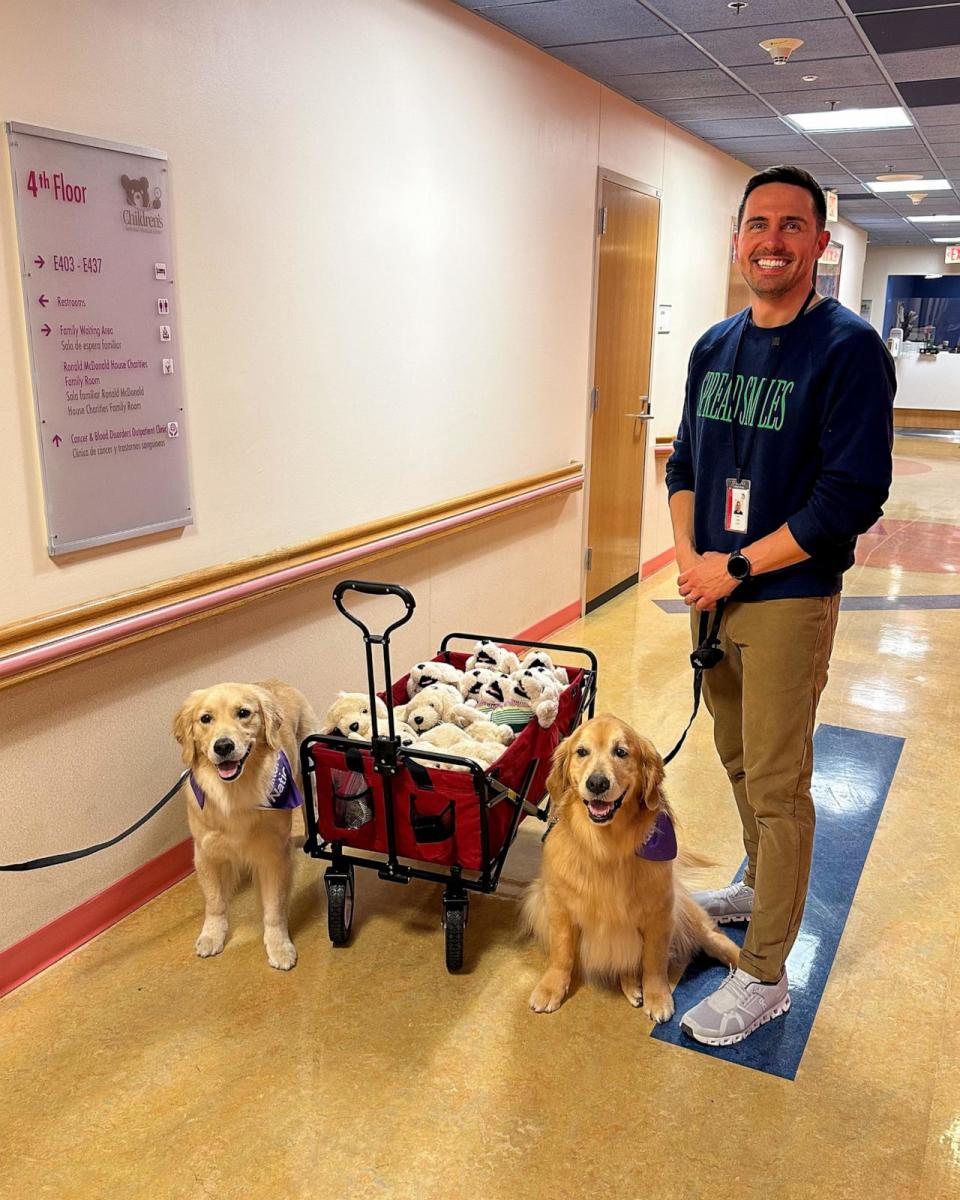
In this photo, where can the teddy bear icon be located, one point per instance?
(138, 192)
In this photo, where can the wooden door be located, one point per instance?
(621, 406)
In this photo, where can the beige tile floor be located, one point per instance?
(133, 1069)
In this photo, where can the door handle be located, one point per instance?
(640, 416)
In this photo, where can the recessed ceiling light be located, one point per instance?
(933, 276)
(849, 120)
(935, 219)
(914, 183)
(809, 78)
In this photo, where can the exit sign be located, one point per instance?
(952, 254)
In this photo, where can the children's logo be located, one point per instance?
(140, 210)
(138, 192)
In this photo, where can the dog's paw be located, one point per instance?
(209, 944)
(633, 992)
(281, 954)
(659, 1007)
(548, 995)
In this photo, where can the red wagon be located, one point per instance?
(412, 819)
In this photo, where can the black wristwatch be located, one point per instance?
(738, 565)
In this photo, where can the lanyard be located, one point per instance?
(740, 460)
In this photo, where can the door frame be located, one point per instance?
(604, 175)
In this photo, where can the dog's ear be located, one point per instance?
(558, 779)
(272, 718)
(183, 729)
(650, 786)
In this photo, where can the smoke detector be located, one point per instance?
(780, 49)
(916, 197)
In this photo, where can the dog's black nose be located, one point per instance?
(598, 784)
(354, 726)
(418, 720)
(224, 746)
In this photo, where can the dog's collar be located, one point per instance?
(660, 844)
(283, 792)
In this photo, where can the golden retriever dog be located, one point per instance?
(240, 802)
(627, 918)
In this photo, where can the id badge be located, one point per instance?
(737, 511)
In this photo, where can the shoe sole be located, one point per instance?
(733, 919)
(733, 1038)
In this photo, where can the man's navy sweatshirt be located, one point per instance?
(813, 403)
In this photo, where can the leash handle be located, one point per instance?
(54, 860)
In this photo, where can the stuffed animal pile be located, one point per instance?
(473, 714)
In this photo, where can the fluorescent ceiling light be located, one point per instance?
(935, 219)
(916, 185)
(847, 120)
(951, 240)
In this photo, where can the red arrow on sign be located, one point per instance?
(40, 261)
(45, 330)
(42, 301)
(57, 439)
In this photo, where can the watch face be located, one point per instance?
(739, 566)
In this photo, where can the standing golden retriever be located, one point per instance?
(235, 738)
(629, 916)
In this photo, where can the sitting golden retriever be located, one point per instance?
(605, 889)
(241, 742)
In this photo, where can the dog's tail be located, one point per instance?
(533, 914)
(690, 860)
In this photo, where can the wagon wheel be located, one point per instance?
(454, 923)
(340, 886)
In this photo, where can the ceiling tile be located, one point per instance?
(922, 64)
(697, 15)
(813, 98)
(914, 29)
(632, 56)
(565, 22)
(738, 127)
(851, 71)
(675, 85)
(821, 39)
(922, 93)
(868, 6)
(706, 108)
(870, 167)
(480, 5)
(775, 143)
(875, 139)
(936, 115)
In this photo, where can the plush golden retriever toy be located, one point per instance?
(608, 892)
(241, 742)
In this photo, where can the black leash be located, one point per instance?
(54, 860)
(707, 654)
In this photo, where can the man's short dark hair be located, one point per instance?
(796, 177)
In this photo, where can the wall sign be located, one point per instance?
(828, 270)
(952, 254)
(93, 221)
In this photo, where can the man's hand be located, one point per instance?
(706, 581)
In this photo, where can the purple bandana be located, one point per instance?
(283, 793)
(661, 844)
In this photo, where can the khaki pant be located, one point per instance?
(763, 698)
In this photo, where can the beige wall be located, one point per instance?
(394, 201)
(884, 261)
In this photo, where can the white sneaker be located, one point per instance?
(740, 1005)
(733, 903)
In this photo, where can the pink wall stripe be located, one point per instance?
(115, 631)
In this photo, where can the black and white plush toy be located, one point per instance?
(535, 689)
(541, 659)
(426, 674)
(493, 657)
(474, 680)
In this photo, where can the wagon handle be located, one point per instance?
(385, 756)
(373, 589)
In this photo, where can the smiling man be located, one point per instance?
(782, 458)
